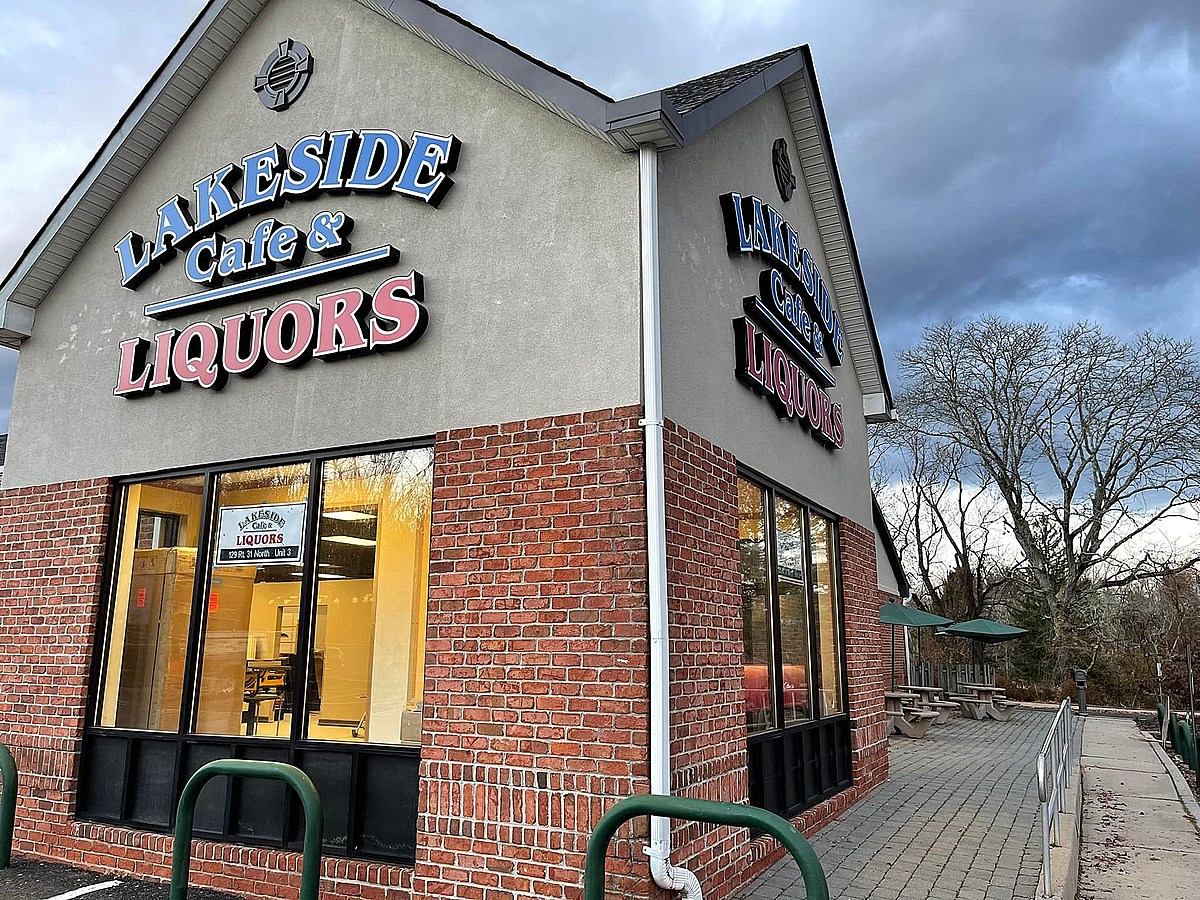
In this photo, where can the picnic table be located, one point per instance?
(908, 720)
(987, 701)
(931, 698)
(927, 691)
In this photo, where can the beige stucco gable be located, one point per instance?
(530, 265)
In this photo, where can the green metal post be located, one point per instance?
(314, 822)
(709, 811)
(8, 805)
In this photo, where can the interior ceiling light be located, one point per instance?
(324, 575)
(349, 539)
(349, 515)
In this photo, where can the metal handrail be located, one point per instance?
(8, 804)
(314, 819)
(1053, 776)
(815, 886)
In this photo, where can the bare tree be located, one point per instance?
(1092, 444)
(944, 516)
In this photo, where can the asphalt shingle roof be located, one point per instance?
(690, 95)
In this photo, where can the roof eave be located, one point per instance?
(16, 323)
(819, 106)
(646, 119)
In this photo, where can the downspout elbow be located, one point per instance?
(673, 878)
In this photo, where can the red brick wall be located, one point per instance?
(708, 713)
(536, 700)
(708, 734)
(52, 542)
(865, 644)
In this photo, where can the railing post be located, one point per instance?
(737, 815)
(8, 804)
(314, 822)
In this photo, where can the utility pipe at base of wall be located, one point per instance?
(665, 875)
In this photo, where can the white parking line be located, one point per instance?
(84, 891)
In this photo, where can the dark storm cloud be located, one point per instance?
(1037, 159)
(1033, 159)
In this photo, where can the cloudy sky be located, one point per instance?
(1037, 159)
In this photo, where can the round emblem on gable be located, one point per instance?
(784, 177)
(284, 75)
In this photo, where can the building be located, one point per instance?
(393, 404)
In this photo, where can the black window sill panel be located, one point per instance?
(368, 793)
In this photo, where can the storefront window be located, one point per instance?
(248, 658)
(791, 618)
(828, 619)
(793, 608)
(372, 574)
(152, 604)
(756, 613)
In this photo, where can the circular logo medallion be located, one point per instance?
(284, 75)
(784, 177)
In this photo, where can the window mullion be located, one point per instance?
(201, 586)
(305, 616)
(773, 607)
(816, 683)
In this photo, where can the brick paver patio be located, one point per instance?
(957, 820)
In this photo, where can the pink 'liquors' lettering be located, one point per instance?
(339, 325)
(767, 370)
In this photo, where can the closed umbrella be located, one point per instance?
(907, 617)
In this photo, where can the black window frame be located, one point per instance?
(796, 765)
(112, 797)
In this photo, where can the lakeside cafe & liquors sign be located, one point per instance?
(790, 334)
(341, 323)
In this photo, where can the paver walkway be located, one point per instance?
(956, 820)
(30, 879)
(1140, 837)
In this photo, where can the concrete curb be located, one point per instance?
(1182, 788)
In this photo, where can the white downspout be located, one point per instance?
(665, 875)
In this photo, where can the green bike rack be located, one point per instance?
(8, 804)
(314, 822)
(698, 811)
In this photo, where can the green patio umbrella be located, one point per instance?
(907, 617)
(983, 631)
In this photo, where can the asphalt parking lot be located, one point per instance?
(29, 879)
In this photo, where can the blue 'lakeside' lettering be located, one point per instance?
(371, 161)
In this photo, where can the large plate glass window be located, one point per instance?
(272, 611)
(151, 612)
(791, 613)
(792, 586)
(829, 624)
(248, 672)
(798, 733)
(758, 658)
(368, 648)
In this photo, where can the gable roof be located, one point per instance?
(669, 118)
(689, 95)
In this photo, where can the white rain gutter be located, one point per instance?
(665, 875)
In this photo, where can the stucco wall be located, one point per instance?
(887, 576)
(702, 291)
(530, 265)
